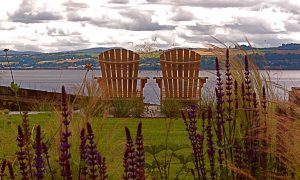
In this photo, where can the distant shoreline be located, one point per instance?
(141, 69)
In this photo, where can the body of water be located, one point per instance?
(52, 80)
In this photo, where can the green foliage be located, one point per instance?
(169, 161)
(171, 108)
(5, 111)
(15, 87)
(126, 108)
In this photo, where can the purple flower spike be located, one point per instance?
(38, 158)
(129, 158)
(83, 155)
(102, 167)
(65, 154)
(210, 144)
(21, 153)
(92, 153)
(140, 154)
(11, 170)
(2, 170)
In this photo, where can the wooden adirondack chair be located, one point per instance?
(119, 69)
(180, 76)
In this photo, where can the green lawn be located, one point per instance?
(110, 136)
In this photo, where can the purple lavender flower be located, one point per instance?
(196, 142)
(140, 154)
(22, 154)
(220, 125)
(65, 154)
(238, 153)
(129, 158)
(210, 144)
(83, 155)
(102, 167)
(11, 170)
(236, 98)
(92, 153)
(228, 86)
(2, 170)
(27, 139)
(38, 158)
(247, 82)
(219, 105)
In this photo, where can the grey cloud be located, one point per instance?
(74, 6)
(8, 28)
(27, 47)
(292, 27)
(252, 25)
(77, 18)
(136, 21)
(71, 42)
(27, 14)
(60, 32)
(210, 4)
(200, 29)
(119, 1)
(181, 14)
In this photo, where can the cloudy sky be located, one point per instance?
(59, 25)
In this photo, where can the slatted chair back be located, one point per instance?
(180, 71)
(119, 69)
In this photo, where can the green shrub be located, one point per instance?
(126, 108)
(171, 108)
(6, 111)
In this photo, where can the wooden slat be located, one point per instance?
(169, 73)
(164, 74)
(191, 73)
(135, 74)
(130, 74)
(110, 88)
(113, 72)
(186, 58)
(103, 72)
(195, 85)
(174, 73)
(180, 69)
(125, 74)
(119, 73)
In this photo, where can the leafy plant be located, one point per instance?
(126, 108)
(171, 108)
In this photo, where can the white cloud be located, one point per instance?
(69, 24)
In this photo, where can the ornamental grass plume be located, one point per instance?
(22, 154)
(46, 153)
(65, 154)
(38, 158)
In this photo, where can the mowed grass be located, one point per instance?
(109, 132)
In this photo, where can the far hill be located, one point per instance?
(286, 56)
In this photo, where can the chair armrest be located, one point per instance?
(158, 80)
(163, 78)
(143, 78)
